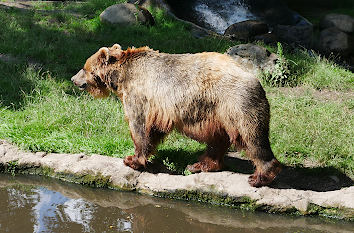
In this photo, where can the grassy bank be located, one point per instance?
(40, 110)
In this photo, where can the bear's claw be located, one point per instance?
(262, 178)
(132, 162)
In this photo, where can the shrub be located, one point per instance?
(280, 75)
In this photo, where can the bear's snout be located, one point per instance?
(80, 80)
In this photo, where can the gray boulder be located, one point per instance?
(254, 58)
(344, 23)
(299, 33)
(126, 14)
(334, 40)
(246, 30)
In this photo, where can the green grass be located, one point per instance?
(308, 128)
(40, 109)
(313, 70)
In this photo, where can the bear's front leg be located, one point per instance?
(145, 142)
(141, 143)
(145, 136)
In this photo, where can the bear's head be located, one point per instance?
(92, 77)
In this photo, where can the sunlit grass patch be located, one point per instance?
(306, 127)
(316, 71)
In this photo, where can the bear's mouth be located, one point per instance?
(83, 86)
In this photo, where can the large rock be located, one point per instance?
(246, 30)
(344, 23)
(254, 58)
(334, 40)
(299, 33)
(126, 14)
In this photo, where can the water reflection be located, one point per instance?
(34, 204)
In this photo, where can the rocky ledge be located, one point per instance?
(221, 188)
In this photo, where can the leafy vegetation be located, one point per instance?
(280, 75)
(40, 110)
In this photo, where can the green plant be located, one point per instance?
(12, 167)
(279, 75)
(170, 165)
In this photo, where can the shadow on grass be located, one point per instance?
(14, 84)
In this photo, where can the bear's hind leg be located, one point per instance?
(267, 166)
(213, 157)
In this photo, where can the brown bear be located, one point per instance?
(206, 96)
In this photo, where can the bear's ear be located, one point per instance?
(114, 53)
(116, 47)
(103, 54)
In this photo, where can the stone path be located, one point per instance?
(227, 187)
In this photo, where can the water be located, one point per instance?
(35, 204)
(219, 15)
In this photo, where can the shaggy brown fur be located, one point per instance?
(206, 96)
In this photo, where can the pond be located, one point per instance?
(37, 204)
